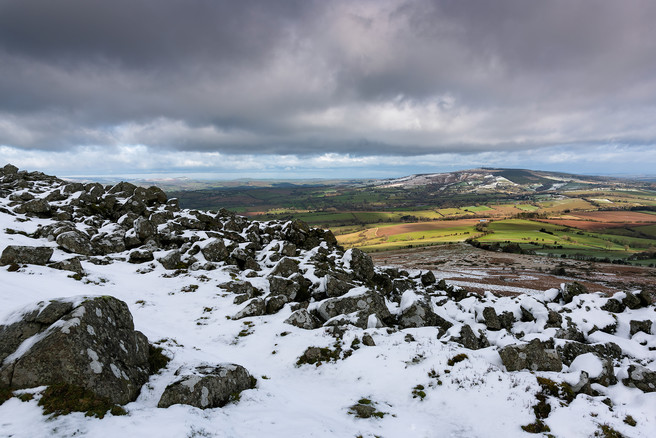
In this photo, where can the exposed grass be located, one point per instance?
(62, 399)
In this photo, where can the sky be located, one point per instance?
(343, 88)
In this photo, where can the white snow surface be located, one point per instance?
(476, 398)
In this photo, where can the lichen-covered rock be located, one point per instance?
(491, 318)
(468, 339)
(76, 242)
(573, 289)
(39, 207)
(572, 350)
(640, 326)
(420, 314)
(365, 304)
(215, 251)
(336, 287)
(303, 319)
(89, 343)
(144, 229)
(285, 267)
(207, 386)
(171, 260)
(255, 307)
(72, 265)
(284, 287)
(361, 264)
(613, 306)
(642, 378)
(534, 356)
(33, 255)
(141, 256)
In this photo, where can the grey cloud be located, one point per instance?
(304, 77)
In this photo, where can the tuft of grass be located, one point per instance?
(605, 431)
(457, 358)
(156, 359)
(537, 427)
(62, 399)
(190, 288)
(418, 392)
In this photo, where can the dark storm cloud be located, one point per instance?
(306, 77)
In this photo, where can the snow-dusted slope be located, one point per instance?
(409, 375)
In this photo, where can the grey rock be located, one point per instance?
(571, 333)
(491, 318)
(428, 278)
(572, 350)
(171, 260)
(285, 267)
(366, 304)
(468, 339)
(33, 255)
(420, 314)
(275, 304)
(207, 386)
(255, 307)
(642, 378)
(141, 256)
(72, 265)
(534, 356)
(368, 340)
(336, 287)
(284, 287)
(109, 243)
(76, 242)
(92, 344)
(632, 301)
(640, 326)
(39, 207)
(241, 287)
(507, 319)
(613, 306)
(302, 319)
(573, 289)
(362, 265)
(144, 229)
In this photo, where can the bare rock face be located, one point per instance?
(207, 386)
(534, 356)
(34, 255)
(90, 343)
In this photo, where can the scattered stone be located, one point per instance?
(303, 319)
(207, 386)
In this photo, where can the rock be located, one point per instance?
(491, 319)
(284, 287)
(91, 344)
(632, 301)
(613, 306)
(428, 278)
(207, 386)
(275, 304)
(285, 267)
(572, 350)
(33, 255)
(554, 319)
(507, 319)
(642, 378)
(645, 298)
(72, 265)
(420, 314)
(534, 356)
(368, 340)
(39, 207)
(303, 319)
(9, 169)
(215, 251)
(366, 304)
(336, 287)
(76, 242)
(469, 340)
(641, 326)
(141, 256)
(571, 333)
(573, 289)
(109, 243)
(171, 260)
(255, 307)
(361, 264)
(144, 229)
(241, 287)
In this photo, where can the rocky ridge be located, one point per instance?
(587, 341)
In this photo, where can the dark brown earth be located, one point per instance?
(508, 274)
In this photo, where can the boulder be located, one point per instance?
(141, 256)
(39, 207)
(642, 378)
(571, 350)
(420, 314)
(361, 265)
(468, 339)
(144, 229)
(640, 326)
(207, 386)
(491, 319)
(428, 278)
(284, 287)
(75, 241)
(255, 307)
(303, 319)
(171, 260)
(215, 251)
(365, 304)
(285, 267)
(33, 255)
(72, 265)
(89, 343)
(573, 289)
(534, 356)
(336, 287)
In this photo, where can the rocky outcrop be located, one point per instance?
(207, 386)
(33, 255)
(90, 343)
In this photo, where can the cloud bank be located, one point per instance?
(368, 82)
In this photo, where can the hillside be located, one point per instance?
(173, 322)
